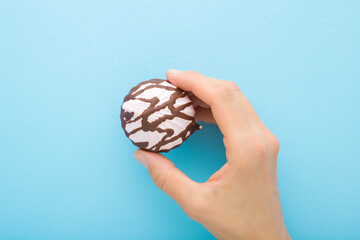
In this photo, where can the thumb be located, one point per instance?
(167, 177)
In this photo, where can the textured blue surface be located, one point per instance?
(66, 169)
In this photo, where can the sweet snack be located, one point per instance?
(157, 116)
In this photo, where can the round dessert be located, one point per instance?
(157, 116)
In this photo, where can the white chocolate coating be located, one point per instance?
(158, 116)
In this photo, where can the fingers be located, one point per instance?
(253, 119)
(197, 102)
(167, 177)
(225, 108)
(244, 102)
(203, 114)
(201, 86)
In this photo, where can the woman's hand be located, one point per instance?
(241, 200)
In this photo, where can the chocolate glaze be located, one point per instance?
(154, 126)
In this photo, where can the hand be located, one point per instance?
(241, 200)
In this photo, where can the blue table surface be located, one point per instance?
(66, 168)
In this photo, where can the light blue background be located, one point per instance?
(66, 168)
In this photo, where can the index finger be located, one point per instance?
(224, 106)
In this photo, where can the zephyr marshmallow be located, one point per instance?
(157, 116)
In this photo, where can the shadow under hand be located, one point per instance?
(201, 155)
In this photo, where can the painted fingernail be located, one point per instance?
(173, 71)
(140, 158)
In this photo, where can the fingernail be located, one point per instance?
(173, 71)
(140, 158)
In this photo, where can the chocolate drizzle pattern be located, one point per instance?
(158, 133)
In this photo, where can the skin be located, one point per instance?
(241, 200)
